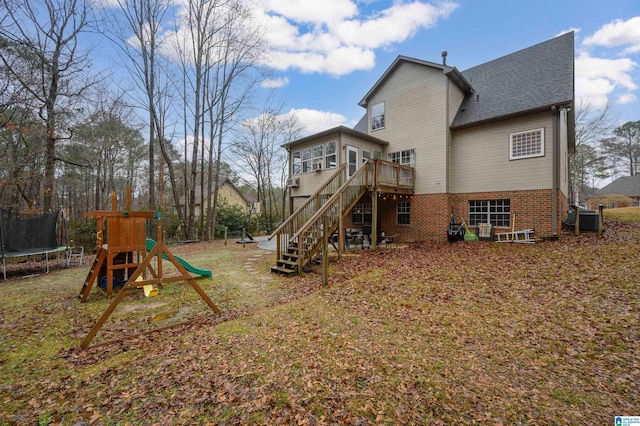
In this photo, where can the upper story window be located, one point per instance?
(296, 163)
(314, 158)
(330, 155)
(306, 160)
(406, 157)
(369, 153)
(377, 116)
(526, 144)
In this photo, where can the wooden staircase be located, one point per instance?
(299, 238)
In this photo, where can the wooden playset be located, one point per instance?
(122, 260)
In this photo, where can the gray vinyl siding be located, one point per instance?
(415, 118)
(480, 158)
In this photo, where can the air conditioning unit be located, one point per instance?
(293, 182)
(317, 167)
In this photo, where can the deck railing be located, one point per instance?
(304, 228)
(393, 175)
(309, 237)
(307, 210)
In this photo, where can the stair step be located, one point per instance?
(282, 270)
(291, 263)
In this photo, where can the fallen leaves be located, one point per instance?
(430, 334)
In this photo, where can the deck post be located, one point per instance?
(325, 250)
(374, 219)
(341, 236)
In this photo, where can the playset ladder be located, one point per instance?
(93, 274)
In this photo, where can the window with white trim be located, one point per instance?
(526, 144)
(377, 116)
(369, 153)
(306, 160)
(403, 212)
(406, 157)
(296, 163)
(331, 156)
(318, 155)
(324, 154)
(495, 212)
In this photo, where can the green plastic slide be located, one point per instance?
(189, 267)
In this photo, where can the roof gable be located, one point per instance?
(529, 80)
(451, 72)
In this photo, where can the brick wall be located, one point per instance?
(431, 213)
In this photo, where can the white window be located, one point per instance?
(306, 160)
(406, 157)
(331, 158)
(296, 163)
(318, 155)
(495, 212)
(369, 153)
(526, 144)
(377, 116)
(403, 210)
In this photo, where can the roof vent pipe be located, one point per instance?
(444, 58)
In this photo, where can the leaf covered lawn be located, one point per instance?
(464, 333)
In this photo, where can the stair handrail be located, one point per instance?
(365, 168)
(311, 199)
(333, 198)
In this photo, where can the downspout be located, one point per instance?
(556, 171)
(447, 133)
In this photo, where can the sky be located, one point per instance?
(325, 55)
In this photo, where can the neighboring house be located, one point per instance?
(488, 143)
(227, 191)
(629, 186)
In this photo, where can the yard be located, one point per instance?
(459, 333)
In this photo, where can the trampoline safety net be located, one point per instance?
(20, 233)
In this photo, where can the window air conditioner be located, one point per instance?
(293, 182)
(317, 167)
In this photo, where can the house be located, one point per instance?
(628, 186)
(227, 191)
(490, 143)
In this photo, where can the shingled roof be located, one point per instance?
(531, 79)
(626, 185)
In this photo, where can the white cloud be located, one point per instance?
(597, 78)
(618, 33)
(335, 36)
(314, 121)
(392, 25)
(563, 32)
(316, 12)
(274, 83)
(627, 98)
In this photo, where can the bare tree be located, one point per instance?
(43, 36)
(588, 163)
(228, 86)
(140, 39)
(259, 146)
